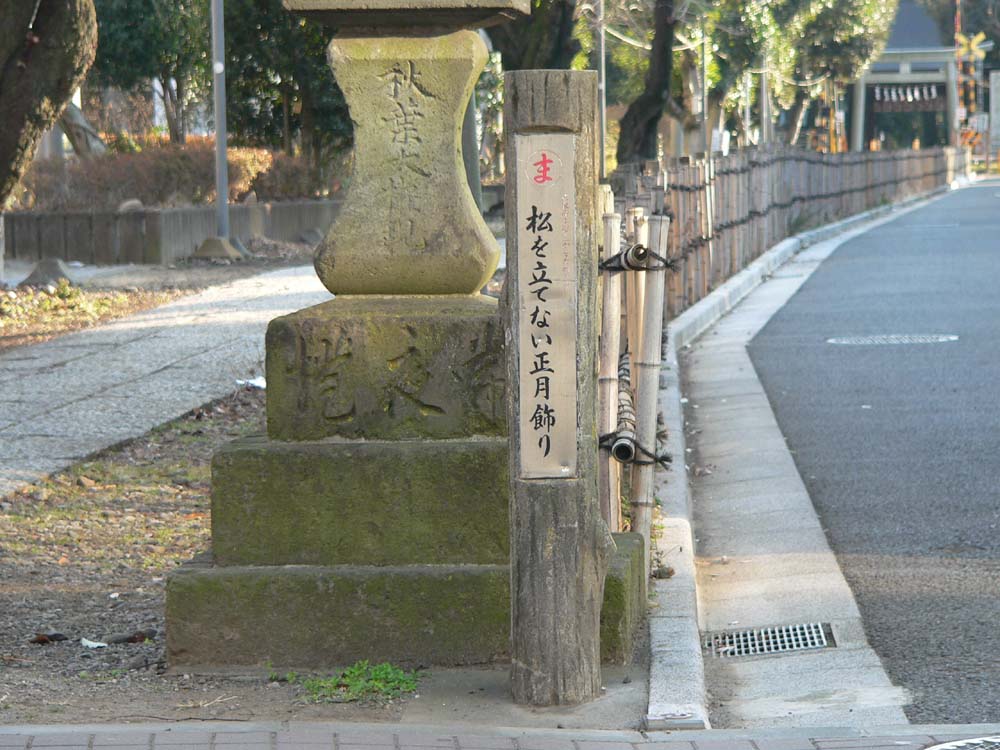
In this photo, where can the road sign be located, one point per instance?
(970, 49)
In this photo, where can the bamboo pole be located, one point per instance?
(607, 382)
(646, 376)
(633, 283)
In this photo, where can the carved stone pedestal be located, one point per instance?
(377, 504)
(372, 520)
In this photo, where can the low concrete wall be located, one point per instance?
(155, 236)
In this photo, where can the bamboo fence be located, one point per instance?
(714, 217)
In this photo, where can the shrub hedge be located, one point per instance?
(162, 174)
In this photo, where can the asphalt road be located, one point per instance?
(899, 445)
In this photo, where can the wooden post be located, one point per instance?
(634, 289)
(560, 546)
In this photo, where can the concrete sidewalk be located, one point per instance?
(67, 398)
(680, 697)
(346, 736)
(762, 557)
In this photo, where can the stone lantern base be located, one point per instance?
(372, 521)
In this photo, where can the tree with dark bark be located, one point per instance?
(165, 40)
(542, 41)
(280, 83)
(46, 48)
(637, 138)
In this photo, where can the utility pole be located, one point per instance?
(765, 103)
(220, 246)
(706, 136)
(219, 91)
(748, 91)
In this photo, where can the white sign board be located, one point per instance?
(546, 299)
(995, 106)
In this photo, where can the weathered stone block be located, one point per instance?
(624, 606)
(387, 368)
(337, 502)
(409, 224)
(318, 617)
(300, 616)
(393, 13)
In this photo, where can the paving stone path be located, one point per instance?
(64, 399)
(341, 736)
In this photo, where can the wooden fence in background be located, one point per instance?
(725, 212)
(708, 220)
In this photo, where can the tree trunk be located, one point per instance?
(83, 136)
(637, 137)
(169, 111)
(286, 122)
(172, 109)
(181, 109)
(308, 129)
(798, 116)
(542, 41)
(42, 62)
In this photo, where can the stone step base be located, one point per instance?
(304, 616)
(361, 502)
(312, 617)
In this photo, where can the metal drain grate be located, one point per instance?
(893, 338)
(979, 743)
(776, 640)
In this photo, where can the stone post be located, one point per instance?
(560, 545)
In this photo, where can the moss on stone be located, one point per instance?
(313, 617)
(387, 368)
(624, 600)
(318, 617)
(361, 502)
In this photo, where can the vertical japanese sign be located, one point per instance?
(546, 299)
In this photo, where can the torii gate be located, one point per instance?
(916, 72)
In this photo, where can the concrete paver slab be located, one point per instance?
(67, 398)
(335, 736)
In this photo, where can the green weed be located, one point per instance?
(359, 682)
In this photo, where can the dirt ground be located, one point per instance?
(85, 555)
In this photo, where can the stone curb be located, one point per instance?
(677, 696)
